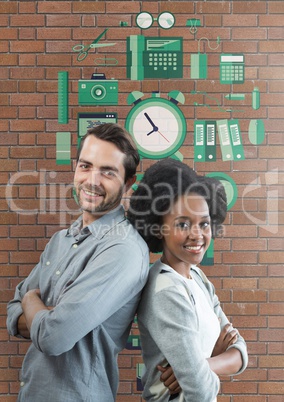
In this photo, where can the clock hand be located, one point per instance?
(163, 136)
(150, 121)
(155, 128)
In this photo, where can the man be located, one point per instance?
(78, 303)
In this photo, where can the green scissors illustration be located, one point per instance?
(84, 50)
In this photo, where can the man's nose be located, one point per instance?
(95, 177)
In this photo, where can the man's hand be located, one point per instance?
(169, 379)
(22, 327)
(227, 337)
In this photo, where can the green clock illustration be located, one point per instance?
(157, 125)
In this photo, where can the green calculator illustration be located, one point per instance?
(232, 68)
(154, 57)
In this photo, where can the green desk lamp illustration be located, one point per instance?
(157, 125)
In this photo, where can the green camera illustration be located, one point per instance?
(98, 91)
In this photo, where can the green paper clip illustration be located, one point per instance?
(193, 23)
(105, 61)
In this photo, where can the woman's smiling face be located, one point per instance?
(186, 232)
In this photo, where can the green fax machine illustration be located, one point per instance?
(154, 57)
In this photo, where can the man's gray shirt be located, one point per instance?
(93, 278)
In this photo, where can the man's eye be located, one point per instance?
(109, 173)
(83, 166)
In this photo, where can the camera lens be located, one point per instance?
(98, 92)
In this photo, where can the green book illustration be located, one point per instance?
(63, 148)
(198, 63)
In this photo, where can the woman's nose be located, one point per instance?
(195, 232)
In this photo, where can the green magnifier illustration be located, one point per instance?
(145, 20)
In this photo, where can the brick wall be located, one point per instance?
(35, 199)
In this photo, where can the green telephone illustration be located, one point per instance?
(154, 57)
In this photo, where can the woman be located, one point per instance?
(180, 319)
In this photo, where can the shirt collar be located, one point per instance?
(100, 226)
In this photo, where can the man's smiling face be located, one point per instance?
(99, 178)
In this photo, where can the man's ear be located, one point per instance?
(129, 183)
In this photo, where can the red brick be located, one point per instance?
(10, 7)
(248, 271)
(54, 7)
(271, 388)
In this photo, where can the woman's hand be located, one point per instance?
(169, 380)
(227, 337)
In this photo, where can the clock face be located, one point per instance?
(158, 128)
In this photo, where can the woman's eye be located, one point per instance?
(183, 225)
(205, 225)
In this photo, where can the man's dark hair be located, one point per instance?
(160, 188)
(116, 134)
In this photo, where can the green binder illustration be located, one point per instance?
(204, 141)
(230, 140)
(225, 140)
(236, 140)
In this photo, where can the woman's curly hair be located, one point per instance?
(160, 188)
